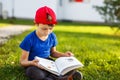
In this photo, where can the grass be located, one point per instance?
(97, 47)
(4, 25)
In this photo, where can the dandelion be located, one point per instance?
(12, 62)
(119, 57)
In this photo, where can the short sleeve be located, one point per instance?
(25, 44)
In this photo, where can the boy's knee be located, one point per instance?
(35, 73)
(77, 76)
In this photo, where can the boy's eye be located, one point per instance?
(50, 28)
(47, 28)
(44, 28)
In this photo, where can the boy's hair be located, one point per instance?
(45, 15)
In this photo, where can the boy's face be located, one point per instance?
(45, 29)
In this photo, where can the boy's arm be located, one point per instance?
(24, 60)
(56, 54)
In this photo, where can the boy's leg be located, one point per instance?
(50, 77)
(47, 78)
(36, 73)
(77, 76)
(67, 76)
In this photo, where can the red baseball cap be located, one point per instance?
(45, 15)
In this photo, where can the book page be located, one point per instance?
(48, 65)
(67, 64)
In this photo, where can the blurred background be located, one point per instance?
(88, 28)
(68, 10)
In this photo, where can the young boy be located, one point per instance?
(41, 42)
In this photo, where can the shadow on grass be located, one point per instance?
(18, 21)
(12, 72)
(85, 24)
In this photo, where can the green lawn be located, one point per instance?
(97, 47)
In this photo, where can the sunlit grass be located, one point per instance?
(4, 25)
(89, 29)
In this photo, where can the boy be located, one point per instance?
(41, 42)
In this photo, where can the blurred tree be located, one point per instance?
(110, 12)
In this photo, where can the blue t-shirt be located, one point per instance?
(37, 47)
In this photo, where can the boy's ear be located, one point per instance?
(34, 22)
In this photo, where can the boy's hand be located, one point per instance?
(35, 63)
(68, 54)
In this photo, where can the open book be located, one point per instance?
(60, 66)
